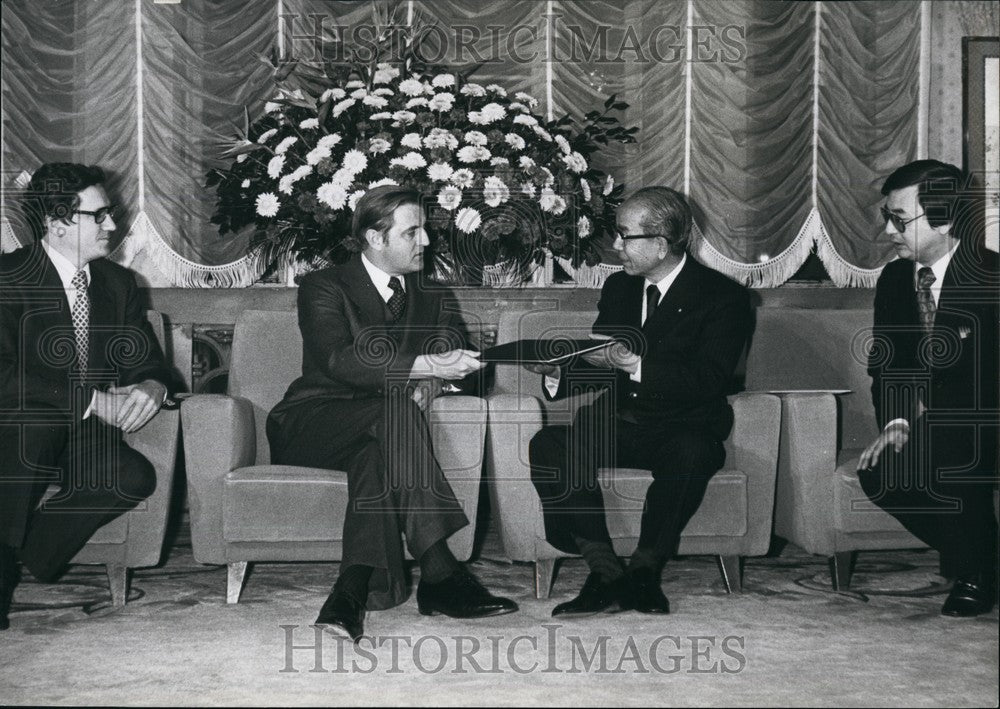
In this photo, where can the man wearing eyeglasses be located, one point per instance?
(79, 365)
(934, 367)
(682, 328)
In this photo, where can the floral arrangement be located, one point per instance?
(502, 184)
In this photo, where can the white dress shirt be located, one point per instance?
(381, 279)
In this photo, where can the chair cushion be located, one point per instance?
(284, 503)
(723, 512)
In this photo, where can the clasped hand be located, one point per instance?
(129, 407)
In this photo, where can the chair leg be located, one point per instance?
(731, 574)
(544, 571)
(118, 583)
(234, 581)
(842, 563)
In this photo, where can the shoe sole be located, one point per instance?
(489, 614)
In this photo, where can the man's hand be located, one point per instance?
(139, 403)
(896, 436)
(425, 391)
(617, 356)
(547, 370)
(453, 364)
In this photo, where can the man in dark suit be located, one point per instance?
(79, 364)
(685, 327)
(376, 345)
(934, 367)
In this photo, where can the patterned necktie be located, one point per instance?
(397, 302)
(652, 300)
(925, 299)
(81, 319)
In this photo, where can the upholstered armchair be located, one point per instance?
(733, 522)
(244, 509)
(820, 505)
(135, 539)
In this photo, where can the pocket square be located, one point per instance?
(964, 331)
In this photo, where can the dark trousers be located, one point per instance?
(565, 460)
(395, 485)
(940, 487)
(99, 478)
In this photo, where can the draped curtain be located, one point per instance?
(778, 119)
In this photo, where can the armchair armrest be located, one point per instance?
(753, 448)
(219, 436)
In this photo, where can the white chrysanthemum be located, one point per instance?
(450, 197)
(411, 161)
(517, 106)
(515, 141)
(404, 117)
(442, 102)
(316, 154)
(563, 144)
(526, 98)
(473, 153)
(335, 94)
(342, 106)
(585, 188)
(355, 161)
(609, 185)
(443, 81)
(383, 181)
(528, 188)
(285, 184)
(245, 183)
(328, 141)
(440, 138)
(575, 162)
(583, 227)
(266, 135)
(439, 171)
(285, 144)
(411, 141)
(542, 133)
(375, 101)
(378, 145)
(411, 87)
(342, 178)
(354, 84)
(309, 124)
(468, 220)
(242, 157)
(475, 137)
(383, 91)
(493, 112)
(418, 101)
(549, 177)
(498, 161)
(384, 74)
(463, 178)
(274, 166)
(526, 120)
(497, 89)
(473, 89)
(525, 162)
(380, 116)
(476, 118)
(268, 204)
(352, 201)
(332, 195)
(549, 201)
(495, 192)
(358, 94)
(271, 107)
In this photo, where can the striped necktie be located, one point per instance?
(81, 320)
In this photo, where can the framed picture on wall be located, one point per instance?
(981, 113)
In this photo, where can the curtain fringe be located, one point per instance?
(144, 237)
(8, 240)
(766, 274)
(843, 274)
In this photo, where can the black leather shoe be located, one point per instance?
(596, 596)
(970, 596)
(10, 574)
(461, 596)
(645, 593)
(343, 616)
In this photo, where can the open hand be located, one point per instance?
(453, 364)
(896, 436)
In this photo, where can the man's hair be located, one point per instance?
(54, 192)
(666, 212)
(945, 193)
(374, 210)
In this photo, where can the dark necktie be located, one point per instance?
(652, 300)
(397, 301)
(81, 319)
(925, 299)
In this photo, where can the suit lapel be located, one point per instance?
(363, 292)
(679, 296)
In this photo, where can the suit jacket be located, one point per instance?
(350, 346)
(956, 369)
(37, 344)
(689, 347)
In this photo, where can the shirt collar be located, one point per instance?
(941, 265)
(379, 277)
(669, 279)
(64, 267)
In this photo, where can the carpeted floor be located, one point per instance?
(787, 640)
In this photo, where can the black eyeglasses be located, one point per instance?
(898, 223)
(626, 237)
(101, 214)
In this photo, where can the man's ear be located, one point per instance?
(944, 229)
(375, 239)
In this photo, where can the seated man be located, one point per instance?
(79, 364)
(372, 343)
(686, 326)
(934, 368)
